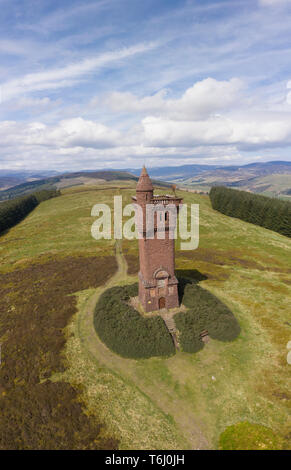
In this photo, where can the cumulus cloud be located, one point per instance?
(209, 116)
(199, 101)
(245, 132)
(69, 133)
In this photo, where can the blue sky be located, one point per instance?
(119, 83)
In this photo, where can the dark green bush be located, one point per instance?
(206, 312)
(273, 214)
(250, 436)
(189, 332)
(125, 331)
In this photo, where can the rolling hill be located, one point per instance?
(59, 379)
(67, 180)
(10, 178)
(270, 178)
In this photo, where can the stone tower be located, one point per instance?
(158, 286)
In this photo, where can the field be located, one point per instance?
(52, 274)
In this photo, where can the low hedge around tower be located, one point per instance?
(125, 331)
(205, 312)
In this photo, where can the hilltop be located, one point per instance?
(52, 272)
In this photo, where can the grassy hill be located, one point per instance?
(64, 181)
(271, 179)
(51, 274)
(68, 180)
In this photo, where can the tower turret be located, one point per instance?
(144, 188)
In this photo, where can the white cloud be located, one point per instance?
(66, 76)
(199, 101)
(69, 133)
(75, 132)
(210, 120)
(288, 97)
(31, 105)
(128, 102)
(252, 131)
(273, 2)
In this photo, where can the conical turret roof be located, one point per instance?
(144, 182)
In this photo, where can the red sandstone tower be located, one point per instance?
(158, 286)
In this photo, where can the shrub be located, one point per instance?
(205, 312)
(249, 436)
(270, 213)
(125, 331)
(190, 332)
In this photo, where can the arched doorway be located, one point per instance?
(162, 302)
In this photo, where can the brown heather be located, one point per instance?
(36, 304)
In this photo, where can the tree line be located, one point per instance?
(15, 210)
(270, 213)
(28, 188)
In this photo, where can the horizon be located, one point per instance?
(128, 169)
(113, 84)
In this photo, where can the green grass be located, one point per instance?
(188, 400)
(56, 228)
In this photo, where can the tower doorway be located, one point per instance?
(162, 302)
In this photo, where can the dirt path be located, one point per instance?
(127, 368)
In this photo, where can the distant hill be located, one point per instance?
(7, 182)
(68, 180)
(175, 172)
(184, 172)
(268, 178)
(271, 178)
(10, 178)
